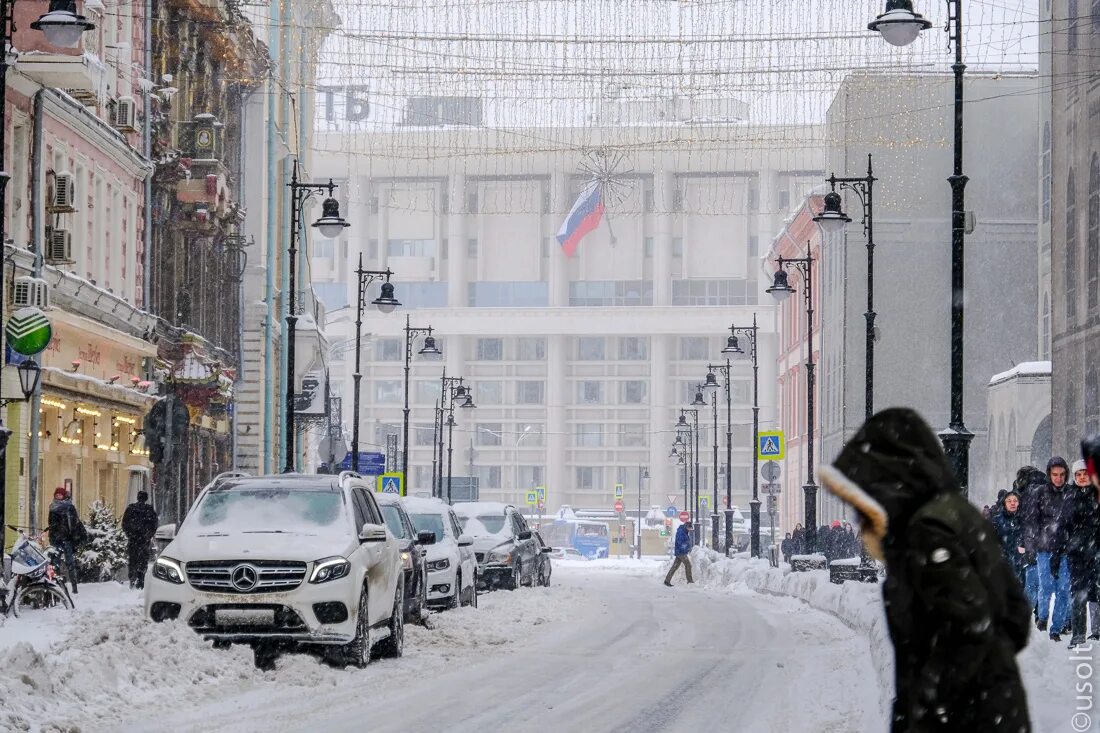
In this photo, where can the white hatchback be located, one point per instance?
(452, 566)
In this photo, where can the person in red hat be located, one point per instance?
(65, 530)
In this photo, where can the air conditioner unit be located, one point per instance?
(125, 115)
(59, 247)
(30, 291)
(64, 194)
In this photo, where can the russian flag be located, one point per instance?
(586, 214)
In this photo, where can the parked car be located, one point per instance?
(284, 561)
(413, 545)
(452, 566)
(542, 562)
(506, 550)
(567, 553)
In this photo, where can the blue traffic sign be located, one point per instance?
(370, 464)
(671, 511)
(391, 483)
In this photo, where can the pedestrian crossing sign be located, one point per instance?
(391, 483)
(532, 498)
(770, 445)
(541, 492)
(618, 491)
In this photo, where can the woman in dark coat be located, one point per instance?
(955, 611)
(1010, 529)
(1081, 535)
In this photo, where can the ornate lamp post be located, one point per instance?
(900, 26)
(781, 289)
(692, 431)
(428, 349)
(385, 302)
(700, 401)
(733, 349)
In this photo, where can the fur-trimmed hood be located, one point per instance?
(891, 467)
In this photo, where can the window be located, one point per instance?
(611, 292)
(784, 200)
(423, 434)
(589, 477)
(632, 435)
(489, 393)
(530, 349)
(323, 247)
(530, 393)
(428, 391)
(588, 435)
(590, 348)
(649, 204)
(530, 436)
(702, 291)
(753, 196)
(1092, 399)
(754, 246)
(388, 391)
(1071, 25)
(1092, 272)
(471, 245)
(529, 476)
(633, 348)
(647, 247)
(489, 433)
(635, 392)
(490, 349)
(443, 250)
(693, 347)
(589, 393)
(496, 294)
(1046, 171)
(436, 111)
(488, 476)
(1071, 251)
(677, 247)
(389, 350)
(410, 248)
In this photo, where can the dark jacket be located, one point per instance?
(683, 540)
(1010, 530)
(785, 546)
(955, 611)
(139, 522)
(798, 541)
(64, 522)
(1042, 522)
(1081, 537)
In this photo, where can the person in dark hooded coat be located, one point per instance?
(1043, 535)
(1081, 537)
(1030, 481)
(955, 612)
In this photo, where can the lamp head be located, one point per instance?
(386, 302)
(832, 218)
(780, 287)
(899, 25)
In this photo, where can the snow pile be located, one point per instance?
(104, 666)
(1049, 669)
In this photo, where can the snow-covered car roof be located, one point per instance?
(422, 505)
(474, 508)
(387, 498)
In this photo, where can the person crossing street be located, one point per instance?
(139, 522)
(682, 550)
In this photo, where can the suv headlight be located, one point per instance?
(439, 564)
(328, 569)
(406, 560)
(502, 555)
(168, 570)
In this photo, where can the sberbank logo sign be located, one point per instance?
(28, 331)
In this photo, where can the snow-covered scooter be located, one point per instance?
(32, 583)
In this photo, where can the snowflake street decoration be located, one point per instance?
(612, 173)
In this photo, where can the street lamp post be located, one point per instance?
(711, 383)
(330, 225)
(900, 26)
(428, 349)
(385, 303)
(643, 474)
(447, 387)
(62, 27)
(700, 401)
(692, 431)
(781, 289)
(467, 397)
(733, 348)
(833, 219)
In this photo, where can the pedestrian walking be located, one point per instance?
(785, 546)
(682, 550)
(1090, 450)
(1043, 534)
(139, 522)
(66, 530)
(955, 612)
(1029, 483)
(1009, 523)
(1081, 535)
(798, 540)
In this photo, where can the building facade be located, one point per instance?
(1075, 226)
(578, 365)
(903, 123)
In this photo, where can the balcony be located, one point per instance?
(83, 76)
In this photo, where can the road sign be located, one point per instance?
(619, 506)
(541, 491)
(773, 489)
(391, 483)
(703, 502)
(532, 498)
(684, 516)
(671, 499)
(670, 510)
(370, 464)
(618, 491)
(770, 445)
(461, 488)
(771, 471)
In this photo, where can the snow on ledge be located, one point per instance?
(1025, 369)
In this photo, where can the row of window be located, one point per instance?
(1074, 272)
(533, 348)
(431, 247)
(526, 392)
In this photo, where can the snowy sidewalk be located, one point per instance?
(1050, 671)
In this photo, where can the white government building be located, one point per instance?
(579, 365)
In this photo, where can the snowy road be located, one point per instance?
(605, 649)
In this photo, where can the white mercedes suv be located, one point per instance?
(284, 561)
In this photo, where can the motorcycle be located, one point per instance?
(32, 583)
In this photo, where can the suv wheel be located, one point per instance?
(357, 651)
(421, 616)
(264, 654)
(517, 577)
(456, 596)
(473, 592)
(393, 646)
(544, 577)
